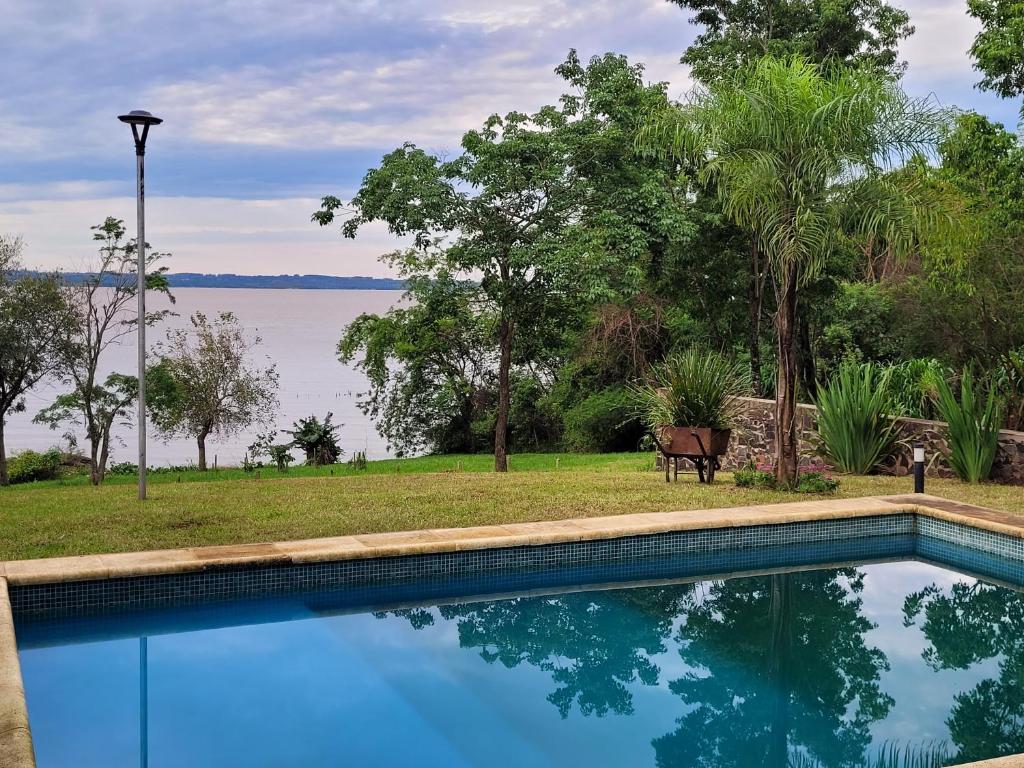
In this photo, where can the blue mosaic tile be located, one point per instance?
(674, 554)
(734, 548)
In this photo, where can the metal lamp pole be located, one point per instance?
(139, 119)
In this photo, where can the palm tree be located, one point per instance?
(802, 156)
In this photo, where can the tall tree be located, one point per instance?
(797, 155)
(205, 384)
(736, 33)
(505, 205)
(104, 303)
(998, 49)
(849, 32)
(427, 363)
(34, 318)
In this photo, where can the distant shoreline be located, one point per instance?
(306, 282)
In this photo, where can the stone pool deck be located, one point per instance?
(15, 739)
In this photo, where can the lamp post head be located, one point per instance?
(140, 118)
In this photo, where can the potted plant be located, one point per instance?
(690, 403)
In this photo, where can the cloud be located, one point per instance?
(203, 234)
(484, 58)
(282, 100)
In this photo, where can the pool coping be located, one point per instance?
(15, 739)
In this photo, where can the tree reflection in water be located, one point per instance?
(780, 669)
(965, 624)
(779, 672)
(593, 644)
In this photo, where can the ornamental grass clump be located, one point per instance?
(974, 423)
(856, 430)
(695, 388)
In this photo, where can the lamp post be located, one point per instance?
(140, 122)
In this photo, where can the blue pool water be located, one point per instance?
(818, 667)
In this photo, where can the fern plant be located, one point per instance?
(695, 388)
(974, 422)
(856, 430)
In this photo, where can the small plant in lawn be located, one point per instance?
(856, 430)
(755, 475)
(318, 440)
(815, 477)
(264, 445)
(974, 421)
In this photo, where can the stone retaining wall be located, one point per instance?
(755, 432)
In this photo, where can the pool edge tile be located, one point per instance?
(16, 750)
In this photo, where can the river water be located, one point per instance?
(299, 330)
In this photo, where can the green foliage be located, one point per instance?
(539, 215)
(814, 478)
(318, 440)
(358, 461)
(427, 364)
(1010, 378)
(603, 421)
(859, 32)
(30, 466)
(35, 316)
(913, 386)
(859, 327)
(799, 155)
(104, 302)
(204, 383)
(974, 421)
(753, 475)
(265, 445)
(816, 482)
(998, 49)
(695, 388)
(280, 456)
(855, 418)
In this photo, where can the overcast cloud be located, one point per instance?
(270, 104)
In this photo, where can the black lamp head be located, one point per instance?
(140, 117)
(137, 118)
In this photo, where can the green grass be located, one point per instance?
(192, 509)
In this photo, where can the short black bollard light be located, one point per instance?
(918, 468)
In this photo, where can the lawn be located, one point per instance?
(230, 506)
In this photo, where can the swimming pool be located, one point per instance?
(823, 645)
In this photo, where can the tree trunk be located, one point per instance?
(808, 372)
(201, 440)
(504, 397)
(754, 340)
(101, 468)
(779, 653)
(786, 448)
(4, 477)
(94, 461)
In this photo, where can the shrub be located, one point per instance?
(358, 460)
(855, 425)
(913, 386)
(317, 439)
(814, 478)
(30, 466)
(974, 422)
(123, 468)
(816, 482)
(696, 388)
(754, 475)
(605, 421)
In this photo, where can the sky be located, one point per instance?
(271, 104)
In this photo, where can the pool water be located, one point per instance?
(833, 667)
